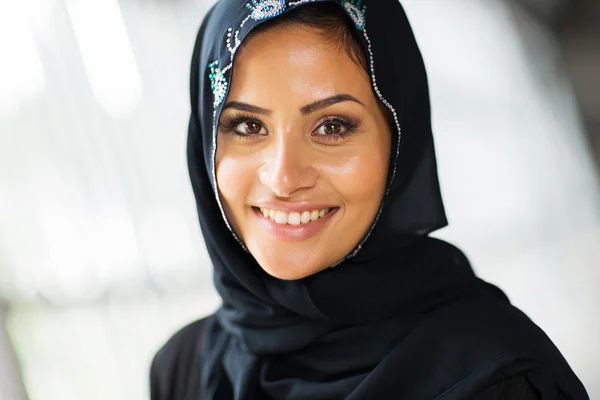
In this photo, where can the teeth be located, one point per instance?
(314, 215)
(281, 217)
(294, 218)
(305, 217)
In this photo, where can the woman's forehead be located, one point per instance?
(297, 61)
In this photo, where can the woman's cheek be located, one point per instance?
(234, 179)
(358, 178)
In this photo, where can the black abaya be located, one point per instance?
(175, 370)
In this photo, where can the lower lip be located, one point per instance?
(294, 232)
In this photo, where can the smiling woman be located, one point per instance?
(312, 150)
(302, 155)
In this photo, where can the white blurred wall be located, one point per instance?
(100, 250)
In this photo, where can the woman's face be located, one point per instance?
(302, 153)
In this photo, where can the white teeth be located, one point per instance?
(314, 215)
(294, 218)
(305, 217)
(281, 217)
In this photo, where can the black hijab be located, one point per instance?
(403, 316)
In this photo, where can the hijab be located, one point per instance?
(403, 313)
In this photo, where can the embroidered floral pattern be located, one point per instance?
(356, 10)
(218, 83)
(262, 9)
(236, 41)
(296, 3)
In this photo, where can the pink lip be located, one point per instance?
(294, 232)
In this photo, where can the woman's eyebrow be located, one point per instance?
(307, 109)
(238, 105)
(326, 102)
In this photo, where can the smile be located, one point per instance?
(294, 225)
(294, 218)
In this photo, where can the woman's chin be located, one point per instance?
(289, 265)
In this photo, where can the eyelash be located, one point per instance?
(228, 125)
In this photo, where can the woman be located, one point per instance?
(313, 167)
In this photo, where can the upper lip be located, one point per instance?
(293, 207)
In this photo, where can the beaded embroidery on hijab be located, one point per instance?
(262, 9)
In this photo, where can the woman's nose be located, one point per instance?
(287, 168)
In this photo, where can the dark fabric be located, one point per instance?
(515, 387)
(403, 316)
(176, 368)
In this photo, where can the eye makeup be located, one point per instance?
(330, 128)
(334, 128)
(230, 125)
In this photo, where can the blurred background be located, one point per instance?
(101, 258)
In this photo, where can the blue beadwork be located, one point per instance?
(262, 9)
(356, 10)
(218, 83)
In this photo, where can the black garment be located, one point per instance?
(177, 366)
(403, 316)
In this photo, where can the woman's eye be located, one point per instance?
(250, 128)
(331, 129)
